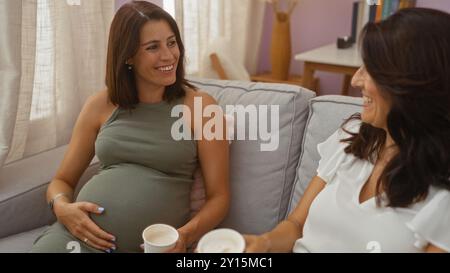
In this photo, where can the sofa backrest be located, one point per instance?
(261, 181)
(326, 114)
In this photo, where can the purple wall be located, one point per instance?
(319, 22)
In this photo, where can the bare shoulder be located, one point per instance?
(206, 98)
(98, 107)
(99, 100)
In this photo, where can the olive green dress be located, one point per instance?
(145, 178)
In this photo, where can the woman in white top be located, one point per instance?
(383, 180)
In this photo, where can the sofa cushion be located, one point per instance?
(20, 243)
(326, 114)
(23, 186)
(261, 181)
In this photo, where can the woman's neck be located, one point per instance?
(149, 93)
(389, 149)
(389, 141)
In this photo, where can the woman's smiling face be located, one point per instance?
(157, 58)
(376, 106)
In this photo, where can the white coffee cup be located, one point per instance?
(159, 238)
(223, 240)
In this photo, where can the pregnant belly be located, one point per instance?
(135, 197)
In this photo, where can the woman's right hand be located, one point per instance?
(256, 244)
(75, 217)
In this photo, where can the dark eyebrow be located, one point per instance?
(156, 41)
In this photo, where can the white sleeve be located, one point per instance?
(332, 152)
(432, 223)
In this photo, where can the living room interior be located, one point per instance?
(241, 52)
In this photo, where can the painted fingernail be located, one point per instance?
(113, 239)
(100, 209)
(113, 248)
(108, 251)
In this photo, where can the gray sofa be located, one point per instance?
(265, 185)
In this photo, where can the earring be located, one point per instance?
(128, 65)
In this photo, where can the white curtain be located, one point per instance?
(238, 21)
(52, 57)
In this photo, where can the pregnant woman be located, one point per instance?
(145, 175)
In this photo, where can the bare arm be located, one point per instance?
(284, 235)
(80, 150)
(214, 157)
(75, 216)
(77, 157)
(434, 249)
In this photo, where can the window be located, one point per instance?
(203, 21)
(169, 6)
(43, 86)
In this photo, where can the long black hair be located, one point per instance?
(408, 58)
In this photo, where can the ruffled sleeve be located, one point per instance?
(431, 225)
(332, 153)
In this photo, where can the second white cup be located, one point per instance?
(159, 238)
(223, 240)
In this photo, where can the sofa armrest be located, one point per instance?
(23, 186)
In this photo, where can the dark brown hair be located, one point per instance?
(123, 44)
(408, 57)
